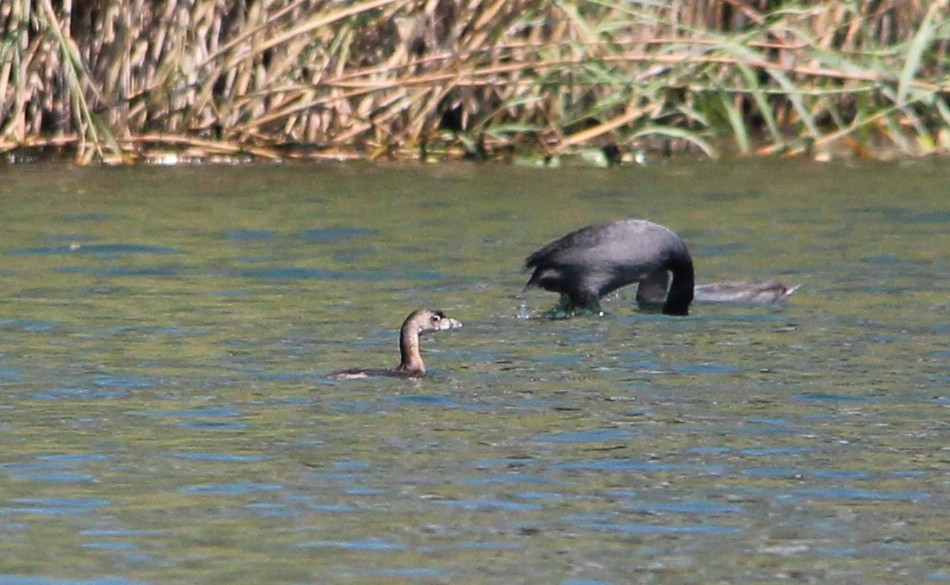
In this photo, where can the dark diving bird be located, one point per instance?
(596, 260)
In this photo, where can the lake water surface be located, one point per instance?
(165, 414)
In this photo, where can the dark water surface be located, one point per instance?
(165, 415)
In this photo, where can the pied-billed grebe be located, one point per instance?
(652, 292)
(595, 260)
(411, 365)
(760, 293)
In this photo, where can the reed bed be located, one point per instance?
(129, 80)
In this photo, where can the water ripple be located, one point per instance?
(280, 273)
(369, 544)
(55, 506)
(249, 235)
(631, 528)
(334, 234)
(842, 493)
(615, 465)
(489, 505)
(686, 507)
(232, 488)
(590, 436)
(100, 250)
(33, 580)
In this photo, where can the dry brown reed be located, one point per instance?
(126, 79)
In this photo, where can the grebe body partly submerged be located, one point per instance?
(595, 260)
(765, 292)
(652, 292)
(411, 365)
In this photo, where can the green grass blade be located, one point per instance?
(679, 134)
(915, 52)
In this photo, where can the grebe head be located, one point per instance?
(428, 320)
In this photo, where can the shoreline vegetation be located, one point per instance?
(168, 81)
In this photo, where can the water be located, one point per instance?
(166, 417)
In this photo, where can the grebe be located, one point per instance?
(411, 365)
(652, 292)
(760, 293)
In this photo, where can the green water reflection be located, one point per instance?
(166, 417)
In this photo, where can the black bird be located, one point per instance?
(595, 260)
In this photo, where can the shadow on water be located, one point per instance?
(166, 414)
